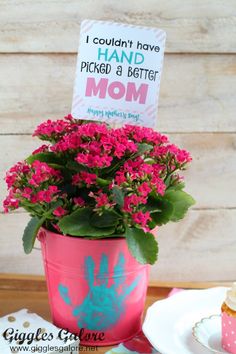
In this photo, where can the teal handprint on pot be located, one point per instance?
(104, 303)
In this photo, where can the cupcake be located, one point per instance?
(228, 315)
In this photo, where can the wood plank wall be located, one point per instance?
(38, 45)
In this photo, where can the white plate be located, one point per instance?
(168, 323)
(208, 333)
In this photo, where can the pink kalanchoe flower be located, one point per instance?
(120, 178)
(119, 150)
(93, 130)
(183, 156)
(52, 129)
(94, 147)
(117, 144)
(146, 135)
(146, 168)
(16, 172)
(133, 165)
(144, 189)
(141, 218)
(42, 148)
(158, 184)
(34, 199)
(27, 192)
(59, 211)
(84, 177)
(127, 207)
(79, 201)
(43, 167)
(10, 179)
(94, 161)
(136, 199)
(35, 181)
(42, 172)
(69, 117)
(137, 169)
(20, 167)
(158, 169)
(10, 203)
(102, 199)
(179, 155)
(132, 201)
(45, 196)
(53, 189)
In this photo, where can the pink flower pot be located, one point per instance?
(96, 288)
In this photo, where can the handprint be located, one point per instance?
(103, 305)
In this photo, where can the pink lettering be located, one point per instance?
(133, 94)
(116, 90)
(93, 90)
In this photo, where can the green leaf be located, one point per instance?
(30, 233)
(118, 196)
(143, 246)
(181, 202)
(167, 181)
(152, 206)
(177, 187)
(152, 225)
(56, 166)
(48, 157)
(75, 166)
(164, 215)
(111, 169)
(34, 225)
(107, 219)
(103, 182)
(142, 148)
(78, 223)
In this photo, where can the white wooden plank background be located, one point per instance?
(200, 247)
(206, 26)
(197, 92)
(38, 42)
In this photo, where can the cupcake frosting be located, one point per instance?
(231, 298)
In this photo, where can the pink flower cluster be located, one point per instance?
(92, 159)
(35, 183)
(139, 179)
(41, 172)
(144, 135)
(96, 145)
(102, 200)
(141, 176)
(53, 130)
(84, 178)
(172, 154)
(142, 219)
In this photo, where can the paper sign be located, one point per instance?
(118, 73)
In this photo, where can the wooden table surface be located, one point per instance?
(19, 291)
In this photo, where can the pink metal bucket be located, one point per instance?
(96, 288)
